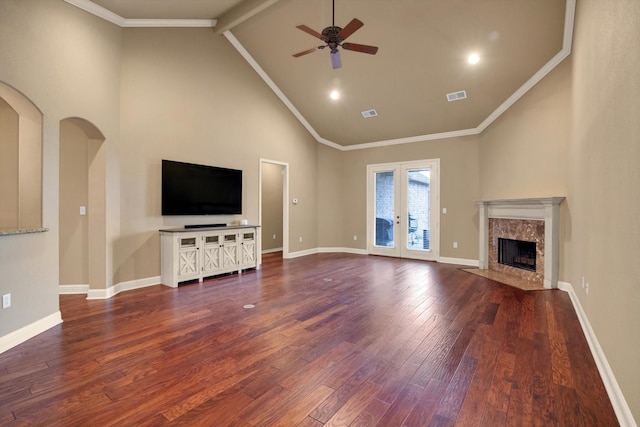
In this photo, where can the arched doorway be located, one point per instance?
(82, 241)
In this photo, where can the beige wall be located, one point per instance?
(30, 171)
(344, 182)
(67, 63)
(332, 211)
(8, 166)
(272, 212)
(605, 181)
(187, 95)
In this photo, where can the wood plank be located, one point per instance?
(334, 339)
(352, 408)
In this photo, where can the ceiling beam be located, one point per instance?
(241, 13)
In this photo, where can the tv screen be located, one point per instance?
(190, 189)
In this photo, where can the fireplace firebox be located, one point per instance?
(517, 253)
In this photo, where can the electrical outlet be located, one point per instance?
(355, 237)
(300, 239)
(274, 237)
(455, 245)
(586, 288)
(6, 301)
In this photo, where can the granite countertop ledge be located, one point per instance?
(13, 232)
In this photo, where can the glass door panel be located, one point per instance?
(384, 209)
(418, 183)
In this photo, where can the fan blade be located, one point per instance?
(351, 28)
(304, 52)
(371, 50)
(314, 33)
(336, 62)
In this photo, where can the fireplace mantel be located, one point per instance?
(544, 208)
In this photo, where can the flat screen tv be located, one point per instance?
(190, 189)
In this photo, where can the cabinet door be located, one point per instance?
(211, 253)
(248, 246)
(188, 259)
(230, 251)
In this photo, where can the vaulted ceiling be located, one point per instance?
(423, 53)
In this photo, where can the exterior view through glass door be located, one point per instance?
(402, 209)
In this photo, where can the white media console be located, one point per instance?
(196, 253)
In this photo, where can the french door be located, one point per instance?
(403, 209)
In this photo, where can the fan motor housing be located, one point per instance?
(331, 36)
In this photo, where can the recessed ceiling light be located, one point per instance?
(334, 94)
(473, 58)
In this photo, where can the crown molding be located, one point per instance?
(411, 139)
(107, 15)
(169, 23)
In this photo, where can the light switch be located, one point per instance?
(83, 210)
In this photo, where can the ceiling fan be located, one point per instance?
(335, 36)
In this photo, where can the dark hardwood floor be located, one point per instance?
(334, 339)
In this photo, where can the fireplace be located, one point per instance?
(517, 253)
(520, 238)
(504, 234)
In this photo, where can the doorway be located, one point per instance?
(82, 197)
(274, 209)
(403, 209)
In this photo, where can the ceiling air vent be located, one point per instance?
(369, 113)
(456, 96)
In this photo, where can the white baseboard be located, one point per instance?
(302, 253)
(445, 260)
(21, 335)
(72, 289)
(270, 251)
(343, 250)
(121, 287)
(327, 251)
(461, 261)
(619, 403)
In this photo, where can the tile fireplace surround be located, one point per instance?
(524, 217)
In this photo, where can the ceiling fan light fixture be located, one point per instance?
(336, 62)
(334, 37)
